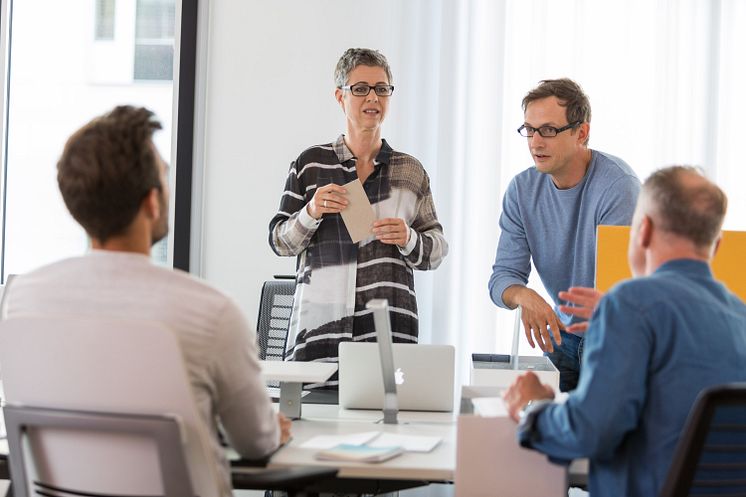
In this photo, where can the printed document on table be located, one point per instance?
(329, 441)
(410, 443)
(359, 453)
(489, 407)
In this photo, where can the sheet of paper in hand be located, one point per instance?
(358, 216)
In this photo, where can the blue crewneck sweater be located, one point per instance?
(557, 228)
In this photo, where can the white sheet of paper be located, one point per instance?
(489, 407)
(358, 216)
(410, 443)
(329, 441)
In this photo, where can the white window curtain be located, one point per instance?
(665, 80)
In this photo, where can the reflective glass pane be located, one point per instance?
(105, 19)
(58, 82)
(154, 39)
(154, 62)
(156, 19)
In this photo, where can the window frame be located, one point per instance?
(188, 14)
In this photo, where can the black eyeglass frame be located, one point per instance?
(556, 131)
(387, 88)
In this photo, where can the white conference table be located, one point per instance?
(407, 470)
(436, 465)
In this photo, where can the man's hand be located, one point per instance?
(584, 302)
(285, 425)
(329, 199)
(526, 387)
(537, 317)
(391, 231)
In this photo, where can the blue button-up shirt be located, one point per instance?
(652, 345)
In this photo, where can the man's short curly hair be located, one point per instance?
(106, 169)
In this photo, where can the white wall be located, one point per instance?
(270, 96)
(460, 71)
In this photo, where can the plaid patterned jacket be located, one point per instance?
(335, 277)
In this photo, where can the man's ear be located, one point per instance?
(151, 204)
(583, 131)
(716, 246)
(646, 231)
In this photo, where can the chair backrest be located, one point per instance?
(710, 457)
(164, 431)
(489, 461)
(103, 366)
(4, 290)
(275, 306)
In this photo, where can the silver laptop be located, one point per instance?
(424, 376)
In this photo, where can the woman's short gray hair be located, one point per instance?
(354, 57)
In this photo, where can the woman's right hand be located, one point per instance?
(329, 199)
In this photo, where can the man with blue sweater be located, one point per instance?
(653, 343)
(550, 214)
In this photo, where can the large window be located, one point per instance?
(94, 55)
(105, 10)
(154, 40)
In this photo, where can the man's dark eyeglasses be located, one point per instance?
(362, 89)
(545, 131)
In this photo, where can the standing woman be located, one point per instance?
(336, 277)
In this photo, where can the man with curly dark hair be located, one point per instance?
(114, 183)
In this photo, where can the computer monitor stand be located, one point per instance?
(382, 322)
(517, 325)
(292, 375)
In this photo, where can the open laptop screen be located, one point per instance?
(424, 376)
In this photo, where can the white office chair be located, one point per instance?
(489, 460)
(85, 367)
(4, 293)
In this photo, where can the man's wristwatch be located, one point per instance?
(527, 421)
(524, 409)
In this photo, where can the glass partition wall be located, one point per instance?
(64, 63)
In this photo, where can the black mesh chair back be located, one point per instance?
(710, 458)
(276, 304)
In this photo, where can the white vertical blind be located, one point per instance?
(665, 83)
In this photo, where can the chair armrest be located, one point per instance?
(292, 478)
(4, 467)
